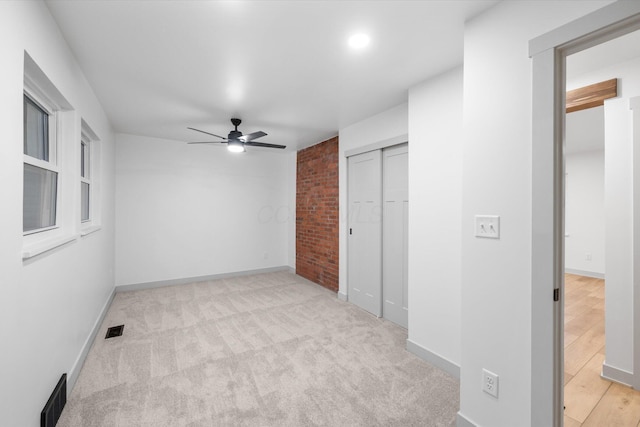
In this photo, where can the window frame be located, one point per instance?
(62, 123)
(92, 164)
(52, 164)
(85, 174)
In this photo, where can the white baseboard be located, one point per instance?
(72, 377)
(584, 273)
(433, 358)
(183, 281)
(342, 296)
(617, 375)
(462, 421)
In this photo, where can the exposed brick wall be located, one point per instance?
(317, 214)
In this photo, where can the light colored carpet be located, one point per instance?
(263, 350)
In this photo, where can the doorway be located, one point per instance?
(549, 52)
(584, 285)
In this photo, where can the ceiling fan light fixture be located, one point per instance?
(236, 147)
(236, 141)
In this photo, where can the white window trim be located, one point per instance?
(45, 245)
(43, 92)
(89, 230)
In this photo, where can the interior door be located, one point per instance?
(365, 231)
(395, 237)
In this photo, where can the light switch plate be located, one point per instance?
(487, 226)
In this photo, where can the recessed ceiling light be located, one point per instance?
(358, 41)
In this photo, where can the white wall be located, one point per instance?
(496, 274)
(50, 303)
(584, 213)
(291, 211)
(435, 194)
(618, 192)
(187, 211)
(389, 124)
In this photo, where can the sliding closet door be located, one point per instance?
(365, 231)
(395, 239)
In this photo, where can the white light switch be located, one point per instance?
(488, 226)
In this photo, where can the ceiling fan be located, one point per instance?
(236, 141)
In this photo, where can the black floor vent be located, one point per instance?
(52, 410)
(114, 331)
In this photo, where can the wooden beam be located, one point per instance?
(591, 96)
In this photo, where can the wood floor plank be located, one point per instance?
(569, 339)
(599, 305)
(570, 422)
(567, 378)
(584, 321)
(619, 407)
(598, 292)
(577, 308)
(580, 351)
(585, 389)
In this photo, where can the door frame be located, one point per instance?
(634, 106)
(548, 53)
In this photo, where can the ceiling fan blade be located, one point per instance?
(207, 142)
(208, 133)
(252, 136)
(262, 144)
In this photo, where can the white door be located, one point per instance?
(395, 238)
(365, 231)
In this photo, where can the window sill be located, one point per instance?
(89, 230)
(42, 247)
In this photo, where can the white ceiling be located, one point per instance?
(283, 67)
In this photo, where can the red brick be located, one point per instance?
(317, 214)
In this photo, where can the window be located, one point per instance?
(40, 198)
(89, 168)
(85, 179)
(49, 122)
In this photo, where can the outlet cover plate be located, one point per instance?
(487, 226)
(490, 383)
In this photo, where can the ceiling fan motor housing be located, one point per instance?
(234, 134)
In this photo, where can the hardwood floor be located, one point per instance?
(590, 400)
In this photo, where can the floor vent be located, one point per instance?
(114, 331)
(52, 410)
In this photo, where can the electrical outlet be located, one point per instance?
(490, 383)
(587, 256)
